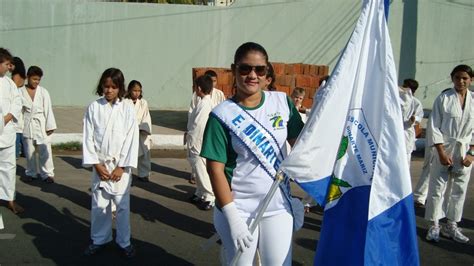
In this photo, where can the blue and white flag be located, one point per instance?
(351, 157)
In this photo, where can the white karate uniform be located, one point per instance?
(20, 122)
(217, 96)
(110, 138)
(38, 118)
(10, 101)
(408, 110)
(452, 127)
(144, 125)
(196, 125)
(421, 189)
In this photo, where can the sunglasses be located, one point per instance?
(245, 69)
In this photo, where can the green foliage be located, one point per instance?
(184, 2)
(68, 146)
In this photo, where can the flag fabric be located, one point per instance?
(351, 157)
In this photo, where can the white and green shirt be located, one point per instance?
(248, 180)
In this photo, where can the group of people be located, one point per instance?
(234, 145)
(449, 152)
(117, 138)
(27, 128)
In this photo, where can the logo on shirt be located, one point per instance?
(277, 122)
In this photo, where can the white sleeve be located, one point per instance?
(129, 152)
(419, 113)
(48, 111)
(435, 122)
(16, 101)
(145, 119)
(89, 154)
(199, 122)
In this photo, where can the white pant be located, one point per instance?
(421, 189)
(446, 193)
(45, 161)
(101, 218)
(273, 237)
(7, 173)
(203, 181)
(144, 164)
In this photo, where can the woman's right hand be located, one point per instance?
(239, 230)
(102, 172)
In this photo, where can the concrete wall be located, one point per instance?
(74, 41)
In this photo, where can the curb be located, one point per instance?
(159, 141)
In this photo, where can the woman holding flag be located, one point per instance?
(244, 144)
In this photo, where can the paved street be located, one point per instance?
(166, 229)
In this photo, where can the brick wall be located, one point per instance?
(288, 76)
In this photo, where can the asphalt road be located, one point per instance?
(166, 229)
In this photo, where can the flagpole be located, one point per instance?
(260, 211)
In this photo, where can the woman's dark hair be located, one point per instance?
(34, 71)
(19, 67)
(117, 78)
(271, 74)
(462, 68)
(247, 47)
(132, 84)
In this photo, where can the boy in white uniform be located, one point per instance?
(19, 77)
(39, 124)
(203, 195)
(110, 145)
(216, 97)
(452, 125)
(10, 108)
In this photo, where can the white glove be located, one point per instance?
(239, 230)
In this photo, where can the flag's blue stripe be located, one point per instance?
(391, 236)
(342, 240)
(317, 189)
(387, 8)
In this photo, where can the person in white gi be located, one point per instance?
(412, 113)
(216, 96)
(19, 77)
(421, 189)
(110, 147)
(135, 96)
(39, 124)
(10, 108)
(452, 125)
(203, 196)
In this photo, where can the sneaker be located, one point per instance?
(454, 232)
(144, 179)
(206, 205)
(433, 234)
(48, 180)
(93, 249)
(129, 251)
(419, 204)
(195, 199)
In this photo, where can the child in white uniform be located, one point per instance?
(135, 96)
(203, 196)
(39, 124)
(452, 125)
(110, 147)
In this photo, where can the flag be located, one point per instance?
(351, 156)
